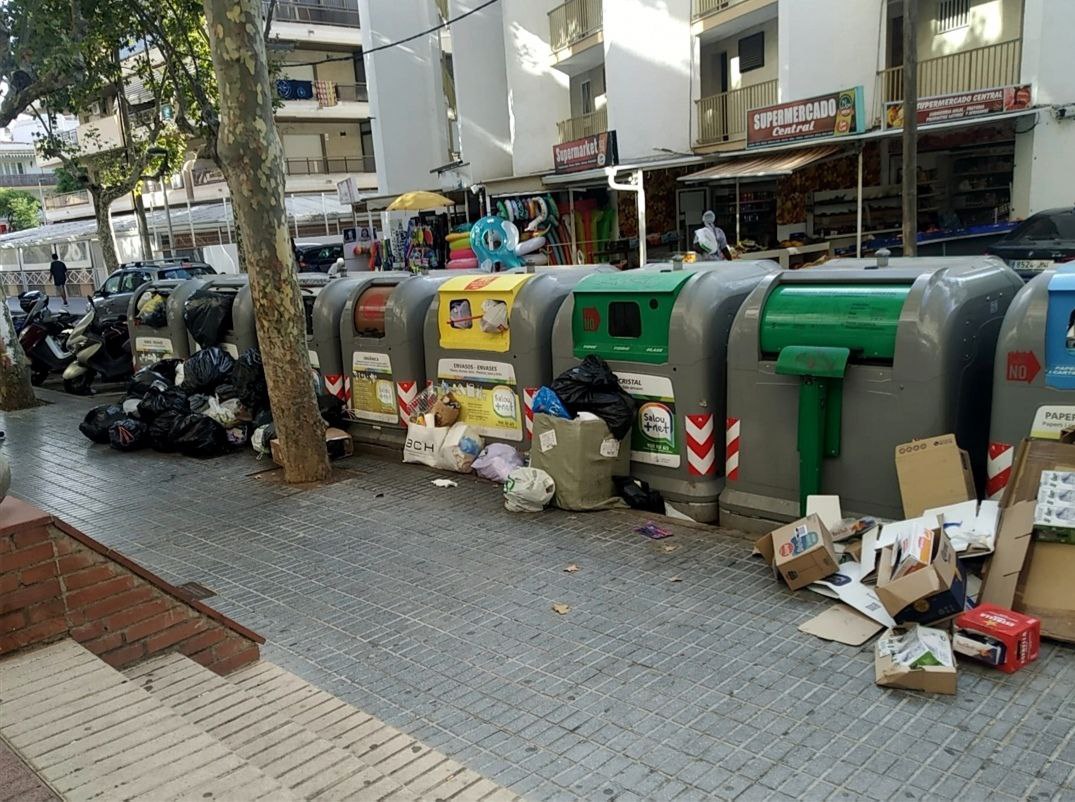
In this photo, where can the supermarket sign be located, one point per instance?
(836, 114)
(586, 153)
(963, 105)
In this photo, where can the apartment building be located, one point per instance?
(323, 116)
(671, 84)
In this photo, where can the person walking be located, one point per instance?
(711, 240)
(59, 276)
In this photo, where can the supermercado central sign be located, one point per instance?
(837, 114)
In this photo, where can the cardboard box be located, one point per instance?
(801, 552)
(337, 441)
(933, 473)
(913, 552)
(998, 637)
(931, 594)
(1054, 515)
(891, 673)
(1045, 589)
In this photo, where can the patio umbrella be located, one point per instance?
(419, 201)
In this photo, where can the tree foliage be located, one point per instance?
(21, 209)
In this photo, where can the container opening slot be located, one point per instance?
(624, 319)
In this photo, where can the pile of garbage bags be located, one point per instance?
(198, 408)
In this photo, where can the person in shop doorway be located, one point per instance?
(338, 269)
(59, 276)
(711, 240)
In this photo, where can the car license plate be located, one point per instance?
(1032, 265)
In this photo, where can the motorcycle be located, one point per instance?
(43, 335)
(102, 348)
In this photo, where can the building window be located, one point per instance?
(952, 15)
(587, 97)
(752, 52)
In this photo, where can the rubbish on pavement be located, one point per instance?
(638, 494)
(1054, 514)
(461, 447)
(561, 609)
(592, 387)
(847, 586)
(936, 591)
(95, 424)
(571, 568)
(159, 432)
(652, 531)
(827, 508)
(156, 402)
(226, 413)
(933, 472)
(423, 444)
(130, 407)
(338, 444)
(444, 483)
(668, 548)
(145, 380)
(801, 552)
(248, 379)
(127, 434)
(842, 624)
(1001, 638)
(675, 579)
(196, 435)
(207, 369)
(915, 658)
(528, 490)
(496, 461)
(581, 457)
(167, 369)
(547, 401)
(262, 438)
(847, 528)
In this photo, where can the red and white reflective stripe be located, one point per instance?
(406, 392)
(528, 405)
(334, 384)
(701, 444)
(346, 390)
(731, 449)
(998, 469)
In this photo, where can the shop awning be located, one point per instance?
(599, 176)
(773, 164)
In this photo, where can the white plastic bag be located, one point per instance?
(226, 413)
(528, 490)
(462, 445)
(423, 444)
(497, 461)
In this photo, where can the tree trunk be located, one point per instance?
(16, 392)
(143, 225)
(253, 161)
(104, 231)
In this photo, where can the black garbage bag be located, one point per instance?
(248, 378)
(226, 392)
(261, 418)
(198, 436)
(95, 424)
(127, 434)
(145, 380)
(167, 368)
(199, 402)
(206, 370)
(156, 402)
(638, 494)
(593, 387)
(159, 432)
(207, 315)
(331, 409)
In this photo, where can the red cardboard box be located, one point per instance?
(1018, 635)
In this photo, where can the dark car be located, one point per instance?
(112, 297)
(1039, 242)
(317, 258)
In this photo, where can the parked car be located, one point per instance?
(1039, 242)
(317, 258)
(114, 295)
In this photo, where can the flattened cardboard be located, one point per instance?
(846, 585)
(1035, 456)
(931, 679)
(1013, 541)
(1045, 589)
(338, 443)
(800, 557)
(931, 594)
(842, 624)
(933, 472)
(827, 508)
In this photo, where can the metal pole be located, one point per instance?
(190, 213)
(168, 217)
(910, 128)
(295, 215)
(227, 218)
(641, 201)
(324, 214)
(571, 225)
(738, 235)
(41, 192)
(858, 209)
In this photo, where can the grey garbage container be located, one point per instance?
(830, 368)
(496, 372)
(1034, 371)
(150, 344)
(665, 334)
(240, 334)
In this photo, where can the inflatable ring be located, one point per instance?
(463, 264)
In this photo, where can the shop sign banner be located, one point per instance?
(837, 114)
(653, 438)
(961, 106)
(587, 153)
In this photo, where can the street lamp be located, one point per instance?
(165, 162)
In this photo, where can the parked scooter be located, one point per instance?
(43, 335)
(102, 348)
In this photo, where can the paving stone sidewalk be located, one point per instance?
(431, 609)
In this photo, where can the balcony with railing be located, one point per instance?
(324, 166)
(584, 125)
(45, 179)
(325, 94)
(965, 71)
(67, 200)
(723, 117)
(573, 22)
(704, 8)
(327, 12)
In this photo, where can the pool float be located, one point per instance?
(462, 264)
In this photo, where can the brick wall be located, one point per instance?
(57, 582)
